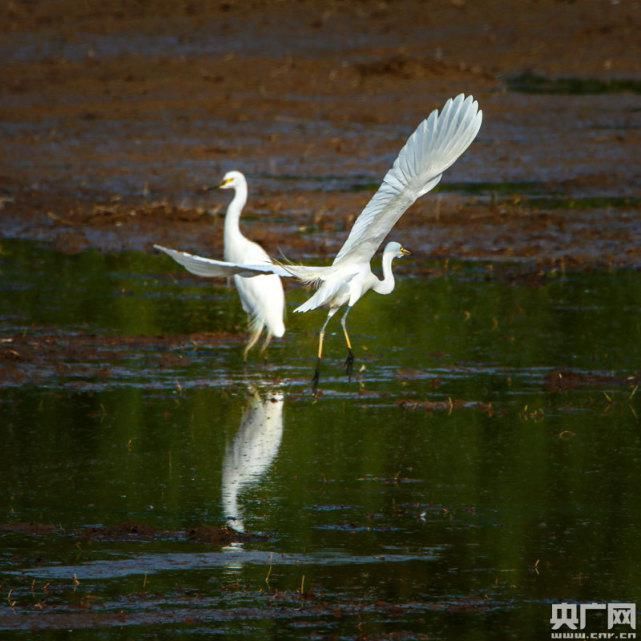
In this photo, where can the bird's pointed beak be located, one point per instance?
(225, 182)
(405, 252)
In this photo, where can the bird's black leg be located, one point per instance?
(349, 361)
(316, 377)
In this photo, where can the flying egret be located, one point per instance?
(262, 298)
(434, 147)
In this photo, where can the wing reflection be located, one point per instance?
(252, 451)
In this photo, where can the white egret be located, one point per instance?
(262, 298)
(434, 147)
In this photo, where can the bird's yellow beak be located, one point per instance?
(405, 252)
(224, 183)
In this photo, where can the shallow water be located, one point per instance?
(365, 511)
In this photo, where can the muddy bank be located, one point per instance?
(562, 230)
(76, 358)
(114, 119)
(129, 532)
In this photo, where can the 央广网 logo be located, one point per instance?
(571, 621)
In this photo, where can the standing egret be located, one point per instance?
(262, 298)
(434, 147)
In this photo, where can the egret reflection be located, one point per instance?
(252, 451)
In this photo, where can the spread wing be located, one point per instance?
(211, 268)
(435, 145)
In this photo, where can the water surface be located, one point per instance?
(483, 464)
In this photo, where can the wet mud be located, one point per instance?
(449, 405)
(115, 119)
(36, 358)
(129, 532)
(564, 380)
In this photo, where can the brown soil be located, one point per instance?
(116, 115)
(37, 358)
(565, 380)
(130, 531)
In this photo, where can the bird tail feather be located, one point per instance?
(307, 274)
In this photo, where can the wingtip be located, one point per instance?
(460, 101)
(472, 108)
(164, 250)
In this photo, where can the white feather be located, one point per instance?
(435, 145)
(328, 291)
(210, 268)
(263, 300)
(309, 274)
(262, 297)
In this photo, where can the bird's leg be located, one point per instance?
(253, 339)
(268, 338)
(349, 361)
(321, 338)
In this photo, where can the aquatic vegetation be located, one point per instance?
(533, 83)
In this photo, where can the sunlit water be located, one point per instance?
(364, 515)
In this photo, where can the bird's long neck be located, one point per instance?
(386, 286)
(232, 228)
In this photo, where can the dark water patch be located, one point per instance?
(532, 83)
(539, 195)
(580, 203)
(395, 480)
(126, 532)
(101, 291)
(331, 508)
(356, 183)
(552, 194)
(354, 528)
(151, 564)
(296, 613)
(439, 505)
(469, 188)
(531, 193)
(497, 188)
(450, 405)
(352, 182)
(564, 380)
